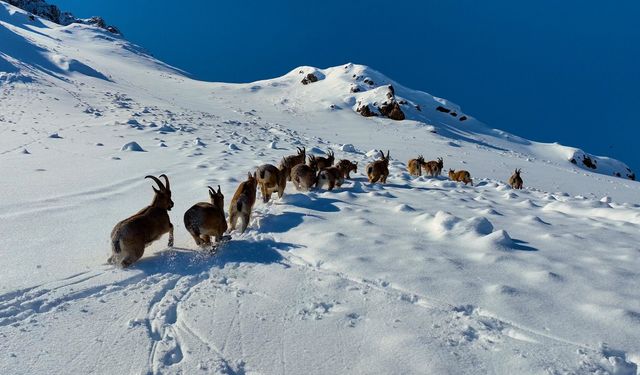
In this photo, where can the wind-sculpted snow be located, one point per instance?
(420, 275)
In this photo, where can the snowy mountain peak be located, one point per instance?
(82, 53)
(41, 8)
(418, 275)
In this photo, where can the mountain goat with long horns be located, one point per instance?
(130, 236)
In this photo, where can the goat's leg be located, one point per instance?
(245, 221)
(170, 243)
(233, 219)
(206, 240)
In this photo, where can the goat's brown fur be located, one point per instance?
(379, 169)
(272, 179)
(415, 166)
(130, 236)
(434, 167)
(292, 160)
(331, 176)
(346, 166)
(320, 162)
(460, 176)
(242, 202)
(515, 180)
(205, 220)
(303, 177)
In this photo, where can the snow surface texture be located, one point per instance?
(421, 275)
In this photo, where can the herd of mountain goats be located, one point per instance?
(205, 221)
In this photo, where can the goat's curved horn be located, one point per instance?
(219, 191)
(166, 180)
(154, 178)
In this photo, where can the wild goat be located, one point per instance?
(205, 220)
(303, 177)
(130, 236)
(320, 162)
(379, 169)
(434, 167)
(331, 176)
(292, 160)
(242, 202)
(346, 166)
(272, 179)
(460, 176)
(415, 166)
(515, 180)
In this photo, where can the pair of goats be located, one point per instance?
(515, 181)
(203, 220)
(434, 168)
(431, 168)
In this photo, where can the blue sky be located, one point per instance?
(565, 71)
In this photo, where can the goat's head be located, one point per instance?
(162, 198)
(217, 198)
(251, 179)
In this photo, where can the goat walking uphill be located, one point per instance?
(331, 177)
(346, 167)
(205, 220)
(303, 177)
(319, 163)
(379, 169)
(272, 179)
(415, 166)
(292, 160)
(130, 236)
(460, 176)
(434, 167)
(515, 180)
(242, 202)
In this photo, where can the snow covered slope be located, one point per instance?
(421, 275)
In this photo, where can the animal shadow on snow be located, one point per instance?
(185, 262)
(362, 186)
(312, 202)
(283, 222)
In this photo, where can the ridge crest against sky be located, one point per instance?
(553, 72)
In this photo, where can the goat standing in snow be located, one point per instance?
(205, 220)
(331, 176)
(130, 236)
(434, 167)
(271, 179)
(346, 166)
(242, 202)
(379, 169)
(320, 162)
(515, 180)
(460, 176)
(292, 160)
(415, 166)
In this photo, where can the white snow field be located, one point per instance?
(418, 276)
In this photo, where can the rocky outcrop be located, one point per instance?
(365, 111)
(310, 78)
(392, 110)
(52, 13)
(588, 162)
